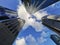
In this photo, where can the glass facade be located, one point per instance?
(10, 26)
(33, 6)
(7, 12)
(53, 23)
(56, 39)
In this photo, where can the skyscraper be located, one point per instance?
(56, 39)
(33, 6)
(53, 22)
(10, 26)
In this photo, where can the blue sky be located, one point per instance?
(33, 32)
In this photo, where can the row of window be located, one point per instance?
(12, 25)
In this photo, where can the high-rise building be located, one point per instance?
(33, 6)
(53, 22)
(56, 39)
(10, 25)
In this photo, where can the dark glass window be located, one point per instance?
(4, 17)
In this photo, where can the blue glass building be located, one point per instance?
(56, 39)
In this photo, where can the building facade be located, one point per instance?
(10, 26)
(53, 22)
(33, 6)
(56, 39)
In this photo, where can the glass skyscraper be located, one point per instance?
(10, 26)
(56, 39)
(53, 22)
(33, 6)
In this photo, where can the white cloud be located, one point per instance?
(44, 34)
(20, 41)
(35, 41)
(56, 5)
(31, 40)
(41, 40)
(40, 14)
(23, 14)
(53, 5)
